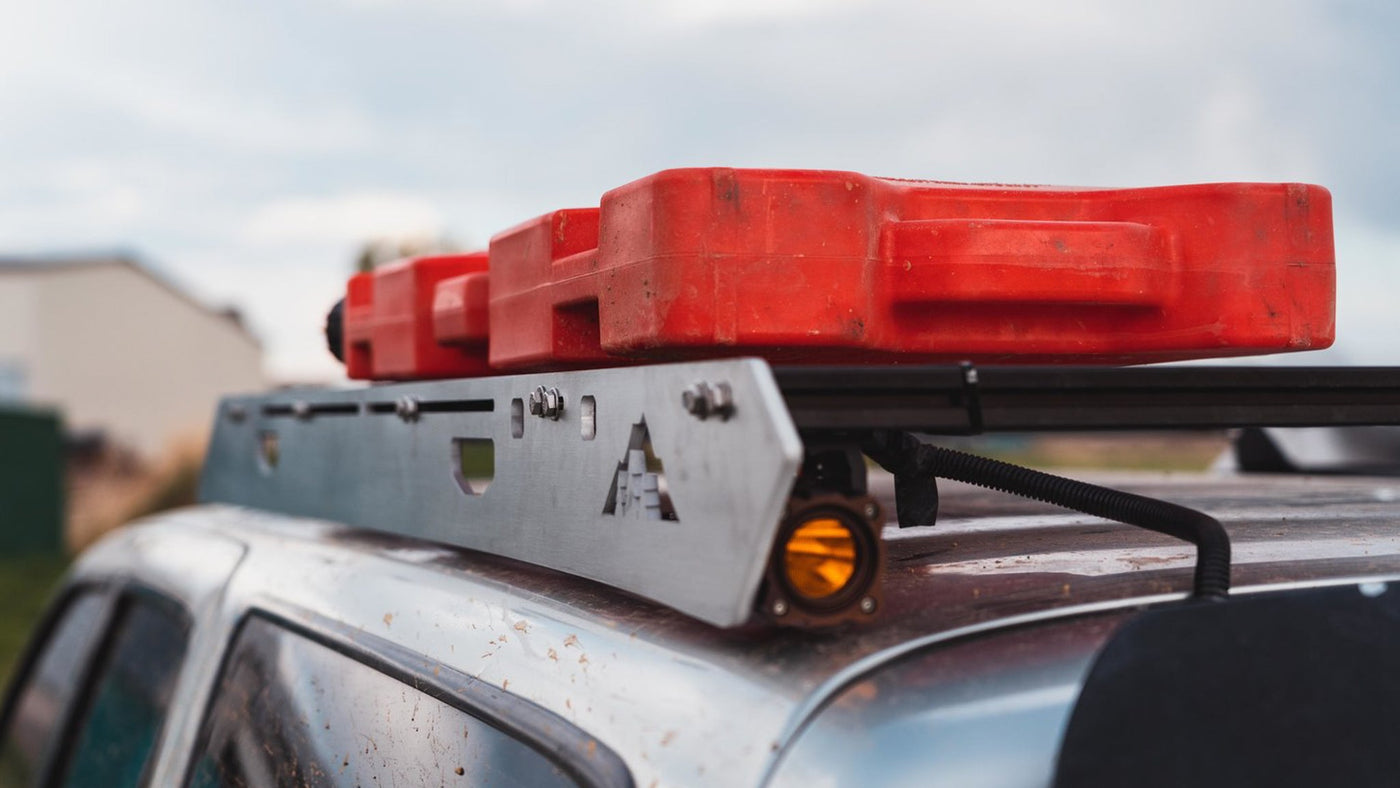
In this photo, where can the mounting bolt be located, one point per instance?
(407, 408)
(301, 410)
(237, 413)
(546, 402)
(705, 399)
(867, 605)
(553, 403)
(780, 607)
(871, 511)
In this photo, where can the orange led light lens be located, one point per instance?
(819, 558)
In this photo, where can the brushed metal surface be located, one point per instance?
(383, 458)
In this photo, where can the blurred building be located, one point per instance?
(120, 351)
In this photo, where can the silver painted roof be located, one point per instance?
(685, 703)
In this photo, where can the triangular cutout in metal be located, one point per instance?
(639, 488)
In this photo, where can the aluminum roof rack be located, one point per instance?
(719, 488)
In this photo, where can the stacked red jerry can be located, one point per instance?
(808, 267)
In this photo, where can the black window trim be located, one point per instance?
(37, 646)
(114, 593)
(43, 631)
(122, 597)
(581, 756)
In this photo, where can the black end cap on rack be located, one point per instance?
(335, 330)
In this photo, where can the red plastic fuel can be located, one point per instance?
(832, 267)
(424, 317)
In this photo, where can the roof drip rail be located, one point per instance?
(915, 464)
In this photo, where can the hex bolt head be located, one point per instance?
(553, 403)
(871, 511)
(407, 408)
(721, 400)
(301, 410)
(696, 400)
(705, 399)
(546, 403)
(780, 607)
(867, 605)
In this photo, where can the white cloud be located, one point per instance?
(1235, 133)
(712, 12)
(1368, 277)
(250, 122)
(212, 139)
(284, 300)
(344, 218)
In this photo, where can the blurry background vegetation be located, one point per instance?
(91, 485)
(104, 487)
(375, 253)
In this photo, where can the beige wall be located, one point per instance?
(18, 342)
(121, 352)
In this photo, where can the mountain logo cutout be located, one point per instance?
(639, 488)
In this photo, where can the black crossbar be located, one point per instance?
(964, 400)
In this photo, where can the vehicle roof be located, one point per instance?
(680, 700)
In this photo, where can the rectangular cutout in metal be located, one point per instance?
(473, 464)
(588, 417)
(457, 406)
(336, 409)
(438, 406)
(307, 410)
(269, 451)
(517, 418)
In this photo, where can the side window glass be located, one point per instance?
(36, 717)
(291, 711)
(130, 694)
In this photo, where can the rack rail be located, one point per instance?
(952, 400)
(686, 483)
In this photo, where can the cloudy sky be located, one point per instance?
(245, 149)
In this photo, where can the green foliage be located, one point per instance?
(180, 487)
(31, 480)
(27, 584)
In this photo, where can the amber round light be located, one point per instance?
(819, 558)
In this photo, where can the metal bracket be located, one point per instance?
(358, 457)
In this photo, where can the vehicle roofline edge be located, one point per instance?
(826, 692)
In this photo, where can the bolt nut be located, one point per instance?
(301, 409)
(696, 401)
(871, 511)
(546, 402)
(867, 605)
(705, 399)
(407, 408)
(780, 607)
(722, 400)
